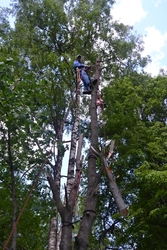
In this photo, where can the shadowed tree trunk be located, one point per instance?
(13, 189)
(66, 211)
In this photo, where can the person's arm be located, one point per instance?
(78, 65)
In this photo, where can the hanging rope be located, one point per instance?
(41, 169)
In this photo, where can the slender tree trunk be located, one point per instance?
(52, 234)
(71, 190)
(58, 165)
(66, 211)
(14, 202)
(14, 236)
(74, 137)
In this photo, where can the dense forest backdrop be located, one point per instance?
(44, 119)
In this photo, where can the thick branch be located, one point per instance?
(78, 158)
(56, 195)
(113, 186)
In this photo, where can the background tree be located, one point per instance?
(137, 105)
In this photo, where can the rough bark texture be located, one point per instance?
(81, 240)
(52, 234)
(66, 239)
(59, 240)
(112, 182)
(74, 137)
(115, 191)
(58, 165)
(76, 183)
(66, 211)
(71, 191)
(14, 235)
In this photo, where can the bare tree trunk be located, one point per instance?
(74, 137)
(59, 239)
(52, 234)
(14, 236)
(14, 202)
(66, 211)
(58, 165)
(81, 240)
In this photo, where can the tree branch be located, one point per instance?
(56, 195)
(113, 185)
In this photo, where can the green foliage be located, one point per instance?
(36, 85)
(136, 119)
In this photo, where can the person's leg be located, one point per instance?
(85, 80)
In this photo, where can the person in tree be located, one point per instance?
(100, 104)
(83, 72)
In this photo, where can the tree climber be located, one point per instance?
(83, 72)
(100, 103)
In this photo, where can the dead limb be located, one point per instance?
(112, 183)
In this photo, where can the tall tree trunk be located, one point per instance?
(81, 240)
(74, 137)
(71, 190)
(14, 202)
(66, 211)
(58, 165)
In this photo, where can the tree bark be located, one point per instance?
(71, 190)
(66, 211)
(58, 165)
(74, 136)
(52, 234)
(59, 239)
(81, 240)
(123, 208)
(14, 202)
(112, 184)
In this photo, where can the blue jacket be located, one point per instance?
(79, 65)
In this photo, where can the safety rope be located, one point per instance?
(41, 169)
